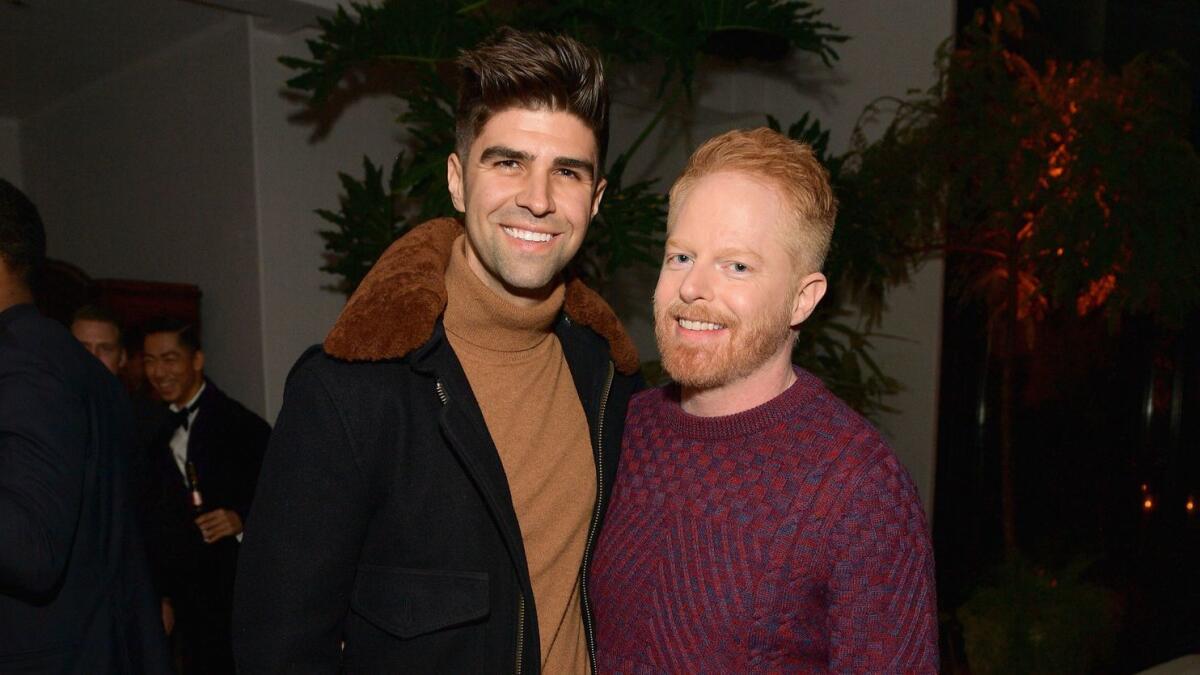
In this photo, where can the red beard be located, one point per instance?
(744, 349)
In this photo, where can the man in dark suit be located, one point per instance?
(74, 588)
(207, 465)
(99, 330)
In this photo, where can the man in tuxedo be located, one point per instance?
(74, 588)
(207, 464)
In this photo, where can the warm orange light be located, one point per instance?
(1148, 504)
(1145, 487)
(1191, 505)
(1059, 252)
(1097, 292)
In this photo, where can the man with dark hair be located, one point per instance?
(99, 331)
(74, 588)
(758, 523)
(206, 465)
(440, 468)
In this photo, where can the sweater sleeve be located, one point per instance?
(882, 606)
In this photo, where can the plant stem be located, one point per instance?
(658, 116)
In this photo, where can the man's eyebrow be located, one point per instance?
(672, 242)
(735, 252)
(504, 152)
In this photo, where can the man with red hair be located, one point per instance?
(757, 523)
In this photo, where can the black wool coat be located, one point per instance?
(383, 536)
(75, 593)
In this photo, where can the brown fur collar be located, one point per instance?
(399, 302)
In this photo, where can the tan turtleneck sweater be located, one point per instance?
(520, 377)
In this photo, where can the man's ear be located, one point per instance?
(599, 194)
(198, 360)
(454, 178)
(809, 292)
(123, 360)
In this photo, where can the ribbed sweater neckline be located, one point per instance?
(476, 315)
(745, 423)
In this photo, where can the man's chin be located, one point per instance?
(694, 369)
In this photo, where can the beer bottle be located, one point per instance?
(193, 480)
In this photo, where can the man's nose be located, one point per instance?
(697, 284)
(535, 196)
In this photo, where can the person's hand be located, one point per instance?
(168, 615)
(218, 524)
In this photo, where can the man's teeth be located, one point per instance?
(526, 235)
(699, 325)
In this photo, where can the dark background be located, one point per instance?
(1107, 416)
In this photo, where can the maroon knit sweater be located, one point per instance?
(783, 538)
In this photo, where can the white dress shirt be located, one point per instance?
(179, 442)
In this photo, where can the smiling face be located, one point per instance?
(175, 371)
(729, 291)
(528, 190)
(103, 340)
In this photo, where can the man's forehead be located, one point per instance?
(164, 341)
(509, 124)
(95, 325)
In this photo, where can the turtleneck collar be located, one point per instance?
(479, 317)
(744, 423)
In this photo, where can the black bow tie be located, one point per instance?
(181, 416)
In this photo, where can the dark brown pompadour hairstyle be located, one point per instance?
(531, 70)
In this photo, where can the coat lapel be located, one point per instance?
(466, 431)
(203, 428)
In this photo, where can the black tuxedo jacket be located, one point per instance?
(226, 443)
(74, 587)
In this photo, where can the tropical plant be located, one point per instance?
(411, 47)
(1066, 188)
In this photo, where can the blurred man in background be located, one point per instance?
(206, 465)
(74, 590)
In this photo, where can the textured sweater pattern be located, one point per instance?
(785, 538)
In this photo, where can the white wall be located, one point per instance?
(190, 166)
(891, 50)
(10, 152)
(296, 174)
(148, 174)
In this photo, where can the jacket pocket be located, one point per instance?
(411, 602)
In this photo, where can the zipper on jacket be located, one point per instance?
(588, 621)
(520, 629)
(517, 667)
